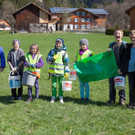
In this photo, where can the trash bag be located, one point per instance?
(97, 67)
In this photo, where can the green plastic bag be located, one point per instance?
(97, 67)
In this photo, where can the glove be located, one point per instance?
(33, 65)
(15, 69)
(56, 56)
(109, 49)
(66, 75)
(119, 72)
(29, 65)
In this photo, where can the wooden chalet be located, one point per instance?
(32, 18)
(80, 18)
(4, 25)
(131, 13)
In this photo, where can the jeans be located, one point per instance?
(82, 86)
(131, 80)
(36, 89)
(112, 91)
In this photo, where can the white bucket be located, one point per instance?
(119, 82)
(72, 74)
(14, 81)
(28, 78)
(66, 85)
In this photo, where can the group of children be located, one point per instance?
(59, 67)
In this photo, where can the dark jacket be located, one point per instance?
(125, 57)
(20, 57)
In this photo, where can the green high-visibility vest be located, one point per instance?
(85, 55)
(57, 67)
(29, 59)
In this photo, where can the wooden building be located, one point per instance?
(31, 17)
(79, 18)
(131, 13)
(4, 25)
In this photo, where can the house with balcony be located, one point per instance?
(78, 18)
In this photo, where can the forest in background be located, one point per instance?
(115, 8)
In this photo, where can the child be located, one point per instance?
(84, 52)
(2, 60)
(117, 47)
(15, 59)
(59, 67)
(128, 66)
(33, 63)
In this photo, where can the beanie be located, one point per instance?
(84, 41)
(16, 40)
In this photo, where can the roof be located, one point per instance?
(14, 14)
(69, 10)
(129, 10)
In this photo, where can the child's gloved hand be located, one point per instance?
(56, 56)
(33, 65)
(109, 49)
(119, 72)
(66, 75)
(15, 69)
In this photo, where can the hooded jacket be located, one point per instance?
(63, 50)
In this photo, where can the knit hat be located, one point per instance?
(16, 40)
(84, 41)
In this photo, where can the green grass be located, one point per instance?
(74, 117)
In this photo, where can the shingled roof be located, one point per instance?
(69, 10)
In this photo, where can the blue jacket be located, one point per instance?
(50, 59)
(2, 58)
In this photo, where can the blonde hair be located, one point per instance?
(132, 32)
(119, 30)
(37, 48)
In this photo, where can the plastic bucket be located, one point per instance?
(119, 82)
(14, 81)
(66, 85)
(72, 74)
(28, 78)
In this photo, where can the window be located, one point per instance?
(76, 26)
(88, 20)
(82, 19)
(88, 26)
(83, 13)
(82, 26)
(76, 20)
(77, 13)
(68, 19)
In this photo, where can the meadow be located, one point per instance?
(74, 117)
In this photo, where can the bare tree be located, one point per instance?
(7, 9)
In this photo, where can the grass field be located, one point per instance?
(40, 117)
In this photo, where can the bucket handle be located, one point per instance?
(12, 72)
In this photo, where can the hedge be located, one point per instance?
(110, 31)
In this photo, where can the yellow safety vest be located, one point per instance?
(57, 67)
(85, 55)
(30, 60)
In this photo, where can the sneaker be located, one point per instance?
(19, 98)
(13, 98)
(29, 99)
(61, 100)
(86, 99)
(52, 100)
(110, 102)
(82, 99)
(122, 102)
(131, 106)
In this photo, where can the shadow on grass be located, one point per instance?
(75, 100)
(6, 100)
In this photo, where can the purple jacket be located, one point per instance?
(38, 65)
